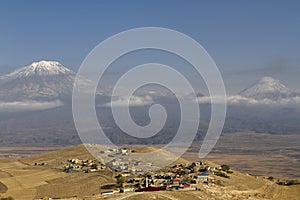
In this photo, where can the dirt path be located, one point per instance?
(168, 196)
(159, 194)
(4, 174)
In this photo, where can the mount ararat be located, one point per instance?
(35, 108)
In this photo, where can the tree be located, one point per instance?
(225, 168)
(120, 180)
(94, 166)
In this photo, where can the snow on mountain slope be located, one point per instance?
(51, 81)
(266, 91)
(268, 88)
(42, 68)
(44, 80)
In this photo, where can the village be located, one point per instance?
(131, 175)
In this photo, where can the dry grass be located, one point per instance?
(256, 153)
(26, 181)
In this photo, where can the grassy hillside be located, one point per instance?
(22, 179)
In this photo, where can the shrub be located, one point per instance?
(225, 168)
(221, 174)
(288, 182)
(292, 182)
(120, 180)
(94, 166)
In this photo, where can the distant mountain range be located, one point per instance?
(42, 91)
(50, 80)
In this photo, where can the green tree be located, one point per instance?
(225, 168)
(120, 180)
(94, 166)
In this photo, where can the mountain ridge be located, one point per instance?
(50, 80)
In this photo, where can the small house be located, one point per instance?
(107, 192)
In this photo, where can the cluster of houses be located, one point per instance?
(177, 177)
(134, 175)
(119, 160)
(190, 176)
(86, 166)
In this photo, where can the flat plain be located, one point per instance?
(253, 156)
(256, 153)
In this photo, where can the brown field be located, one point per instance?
(260, 154)
(9, 152)
(26, 181)
(257, 153)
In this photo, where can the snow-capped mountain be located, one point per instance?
(268, 88)
(42, 68)
(44, 80)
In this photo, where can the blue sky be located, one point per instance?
(246, 39)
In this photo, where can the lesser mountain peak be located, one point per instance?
(267, 88)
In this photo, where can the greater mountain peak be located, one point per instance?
(43, 80)
(42, 68)
(267, 88)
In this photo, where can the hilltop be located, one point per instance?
(44, 175)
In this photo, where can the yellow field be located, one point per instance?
(26, 181)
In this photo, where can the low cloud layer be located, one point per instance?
(241, 100)
(231, 100)
(134, 101)
(237, 99)
(21, 106)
